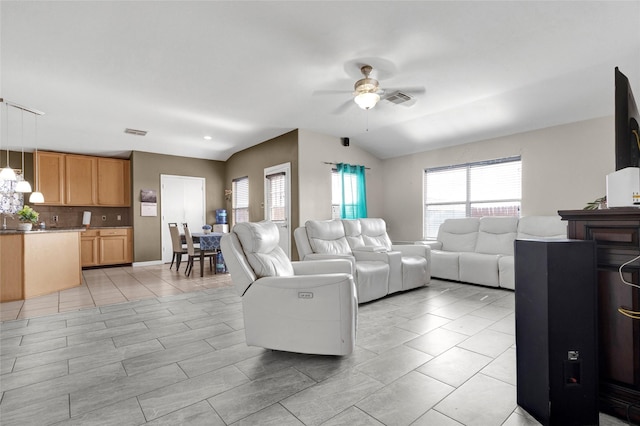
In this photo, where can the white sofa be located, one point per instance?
(306, 307)
(480, 250)
(381, 268)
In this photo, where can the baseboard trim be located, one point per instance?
(147, 263)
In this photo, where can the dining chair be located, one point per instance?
(195, 253)
(178, 248)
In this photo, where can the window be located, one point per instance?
(240, 201)
(276, 192)
(487, 188)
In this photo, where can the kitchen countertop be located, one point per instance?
(41, 231)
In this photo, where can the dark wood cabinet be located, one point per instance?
(617, 236)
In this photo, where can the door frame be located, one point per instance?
(286, 168)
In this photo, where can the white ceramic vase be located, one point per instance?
(25, 226)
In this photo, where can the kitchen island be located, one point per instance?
(35, 263)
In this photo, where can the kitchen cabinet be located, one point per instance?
(82, 180)
(89, 248)
(51, 177)
(113, 182)
(36, 263)
(108, 246)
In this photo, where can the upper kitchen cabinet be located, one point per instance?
(82, 180)
(114, 177)
(51, 181)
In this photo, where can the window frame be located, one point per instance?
(240, 213)
(469, 203)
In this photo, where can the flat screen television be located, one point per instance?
(626, 124)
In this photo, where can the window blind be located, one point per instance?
(277, 196)
(240, 200)
(487, 188)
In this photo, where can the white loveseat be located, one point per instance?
(381, 268)
(480, 250)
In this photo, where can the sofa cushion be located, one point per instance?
(444, 264)
(259, 242)
(496, 235)
(459, 234)
(327, 237)
(541, 227)
(374, 233)
(353, 233)
(479, 268)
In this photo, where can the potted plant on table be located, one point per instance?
(27, 217)
(206, 229)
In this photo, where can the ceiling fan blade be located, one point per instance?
(343, 107)
(330, 92)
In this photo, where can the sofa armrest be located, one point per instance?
(327, 256)
(328, 266)
(434, 245)
(381, 256)
(413, 250)
(374, 249)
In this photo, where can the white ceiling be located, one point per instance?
(244, 72)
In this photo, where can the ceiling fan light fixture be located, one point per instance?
(367, 100)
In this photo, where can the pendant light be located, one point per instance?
(22, 185)
(36, 196)
(7, 173)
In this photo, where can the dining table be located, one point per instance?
(208, 242)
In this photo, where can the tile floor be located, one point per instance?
(147, 345)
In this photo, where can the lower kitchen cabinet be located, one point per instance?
(109, 246)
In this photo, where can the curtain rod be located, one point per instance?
(335, 164)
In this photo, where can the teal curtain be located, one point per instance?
(354, 192)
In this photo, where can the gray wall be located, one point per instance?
(252, 161)
(146, 170)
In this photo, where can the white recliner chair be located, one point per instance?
(306, 307)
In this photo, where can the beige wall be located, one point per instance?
(146, 171)
(315, 176)
(563, 168)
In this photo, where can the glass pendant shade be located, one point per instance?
(367, 100)
(23, 186)
(36, 197)
(8, 174)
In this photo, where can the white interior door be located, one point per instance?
(182, 200)
(277, 206)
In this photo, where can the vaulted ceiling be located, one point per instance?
(243, 72)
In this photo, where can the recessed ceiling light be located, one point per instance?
(207, 138)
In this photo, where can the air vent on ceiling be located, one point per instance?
(135, 132)
(399, 97)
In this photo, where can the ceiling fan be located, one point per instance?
(367, 91)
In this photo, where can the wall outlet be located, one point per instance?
(55, 218)
(104, 218)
